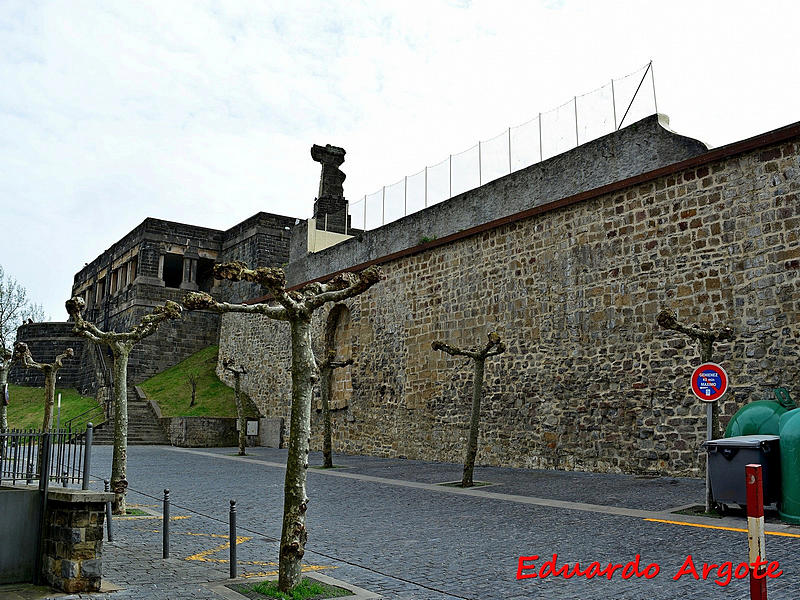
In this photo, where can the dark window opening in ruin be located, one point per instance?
(205, 274)
(101, 291)
(173, 270)
(132, 275)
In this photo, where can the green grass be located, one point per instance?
(307, 589)
(171, 391)
(135, 512)
(26, 406)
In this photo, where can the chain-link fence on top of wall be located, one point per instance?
(582, 119)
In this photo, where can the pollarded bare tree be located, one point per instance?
(326, 368)
(479, 355)
(229, 364)
(22, 355)
(705, 339)
(296, 307)
(121, 345)
(5, 366)
(15, 309)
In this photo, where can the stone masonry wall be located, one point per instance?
(46, 341)
(588, 381)
(73, 540)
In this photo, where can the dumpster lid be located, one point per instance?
(742, 441)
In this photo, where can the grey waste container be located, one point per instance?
(727, 458)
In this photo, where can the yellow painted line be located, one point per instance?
(213, 535)
(778, 533)
(203, 556)
(304, 569)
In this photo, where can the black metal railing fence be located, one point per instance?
(60, 455)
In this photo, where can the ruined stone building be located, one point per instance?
(569, 259)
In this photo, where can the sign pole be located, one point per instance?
(709, 383)
(709, 411)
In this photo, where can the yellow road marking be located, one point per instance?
(214, 535)
(778, 533)
(203, 556)
(304, 569)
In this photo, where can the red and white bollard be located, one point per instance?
(755, 532)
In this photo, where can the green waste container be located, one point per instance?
(727, 458)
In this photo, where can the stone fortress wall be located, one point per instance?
(573, 285)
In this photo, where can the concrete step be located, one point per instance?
(143, 426)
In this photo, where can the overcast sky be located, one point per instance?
(204, 112)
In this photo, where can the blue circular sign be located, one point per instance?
(709, 382)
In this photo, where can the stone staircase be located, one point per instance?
(143, 425)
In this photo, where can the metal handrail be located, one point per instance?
(98, 410)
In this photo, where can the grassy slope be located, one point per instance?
(26, 406)
(170, 389)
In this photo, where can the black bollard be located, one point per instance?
(233, 539)
(108, 514)
(166, 524)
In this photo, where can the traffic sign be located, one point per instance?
(709, 382)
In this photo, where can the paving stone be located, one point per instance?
(411, 543)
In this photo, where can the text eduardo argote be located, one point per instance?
(530, 567)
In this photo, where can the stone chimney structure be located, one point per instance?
(330, 206)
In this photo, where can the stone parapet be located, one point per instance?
(73, 540)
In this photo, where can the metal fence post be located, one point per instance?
(614, 104)
(87, 455)
(232, 520)
(109, 529)
(577, 139)
(653, 82)
(44, 484)
(450, 194)
(480, 167)
(509, 149)
(541, 154)
(405, 195)
(165, 526)
(426, 187)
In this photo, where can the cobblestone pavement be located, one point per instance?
(381, 525)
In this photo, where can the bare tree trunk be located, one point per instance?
(49, 398)
(119, 462)
(297, 308)
(705, 339)
(475, 419)
(295, 501)
(493, 347)
(4, 369)
(325, 397)
(3, 381)
(121, 344)
(240, 414)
